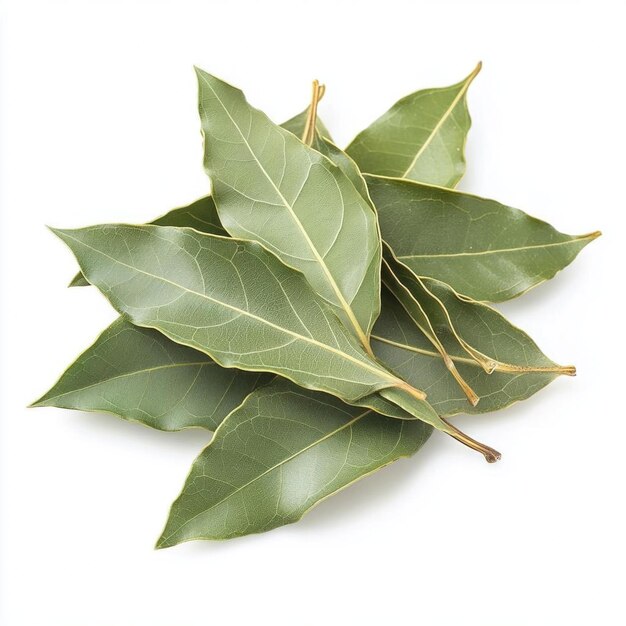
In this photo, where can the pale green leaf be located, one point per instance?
(270, 187)
(235, 301)
(422, 137)
(481, 248)
(280, 453)
(520, 368)
(231, 299)
(141, 375)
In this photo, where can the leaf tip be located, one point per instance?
(475, 72)
(59, 232)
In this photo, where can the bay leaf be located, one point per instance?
(187, 284)
(142, 376)
(422, 137)
(202, 214)
(521, 369)
(415, 302)
(481, 248)
(282, 451)
(270, 187)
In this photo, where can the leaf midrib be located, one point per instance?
(128, 374)
(499, 250)
(329, 277)
(310, 340)
(439, 124)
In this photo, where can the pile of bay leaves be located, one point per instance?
(322, 311)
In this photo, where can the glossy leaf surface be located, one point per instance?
(283, 451)
(483, 249)
(422, 137)
(141, 375)
(270, 187)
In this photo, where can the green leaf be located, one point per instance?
(481, 248)
(520, 368)
(281, 452)
(409, 291)
(422, 137)
(202, 214)
(187, 284)
(142, 376)
(270, 187)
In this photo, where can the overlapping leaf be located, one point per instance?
(284, 450)
(483, 249)
(141, 375)
(520, 368)
(231, 299)
(192, 301)
(235, 301)
(415, 302)
(270, 187)
(422, 137)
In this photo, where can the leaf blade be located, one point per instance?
(483, 249)
(140, 375)
(400, 345)
(293, 200)
(145, 271)
(283, 451)
(422, 137)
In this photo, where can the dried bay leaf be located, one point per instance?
(281, 452)
(270, 187)
(521, 369)
(422, 137)
(141, 375)
(186, 284)
(483, 249)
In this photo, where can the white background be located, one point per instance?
(99, 125)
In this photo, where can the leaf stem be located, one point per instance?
(401, 292)
(491, 455)
(418, 394)
(308, 134)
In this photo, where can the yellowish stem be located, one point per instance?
(311, 119)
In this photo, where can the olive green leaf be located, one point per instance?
(415, 302)
(481, 248)
(187, 284)
(271, 187)
(422, 137)
(519, 368)
(202, 214)
(141, 375)
(281, 452)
